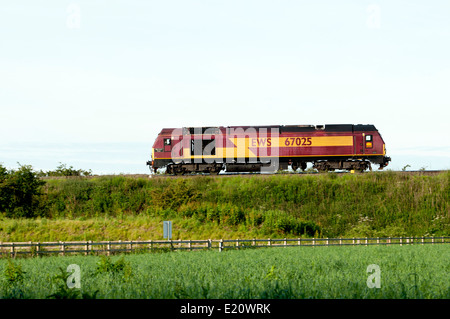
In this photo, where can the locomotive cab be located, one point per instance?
(369, 144)
(161, 150)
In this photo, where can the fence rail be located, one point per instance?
(13, 249)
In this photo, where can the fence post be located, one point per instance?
(269, 243)
(299, 241)
(209, 244)
(432, 239)
(13, 253)
(221, 245)
(254, 242)
(313, 242)
(63, 248)
(285, 242)
(400, 240)
(366, 241)
(108, 248)
(237, 243)
(327, 242)
(189, 245)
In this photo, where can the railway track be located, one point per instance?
(427, 173)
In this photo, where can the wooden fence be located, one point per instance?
(13, 249)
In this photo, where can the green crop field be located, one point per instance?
(419, 271)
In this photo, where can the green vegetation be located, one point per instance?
(63, 170)
(321, 272)
(308, 205)
(120, 266)
(20, 192)
(13, 277)
(276, 206)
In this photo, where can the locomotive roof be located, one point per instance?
(294, 128)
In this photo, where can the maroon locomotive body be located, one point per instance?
(255, 148)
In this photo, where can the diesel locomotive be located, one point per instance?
(268, 148)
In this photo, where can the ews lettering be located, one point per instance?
(257, 142)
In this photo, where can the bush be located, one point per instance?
(175, 193)
(20, 192)
(280, 222)
(13, 276)
(121, 267)
(13, 273)
(63, 170)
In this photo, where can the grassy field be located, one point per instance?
(321, 272)
(201, 207)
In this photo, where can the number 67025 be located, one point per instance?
(298, 141)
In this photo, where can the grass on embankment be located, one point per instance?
(327, 205)
(111, 228)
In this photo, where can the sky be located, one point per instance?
(91, 83)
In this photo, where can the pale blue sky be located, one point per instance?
(91, 83)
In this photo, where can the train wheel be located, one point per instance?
(303, 166)
(321, 167)
(177, 170)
